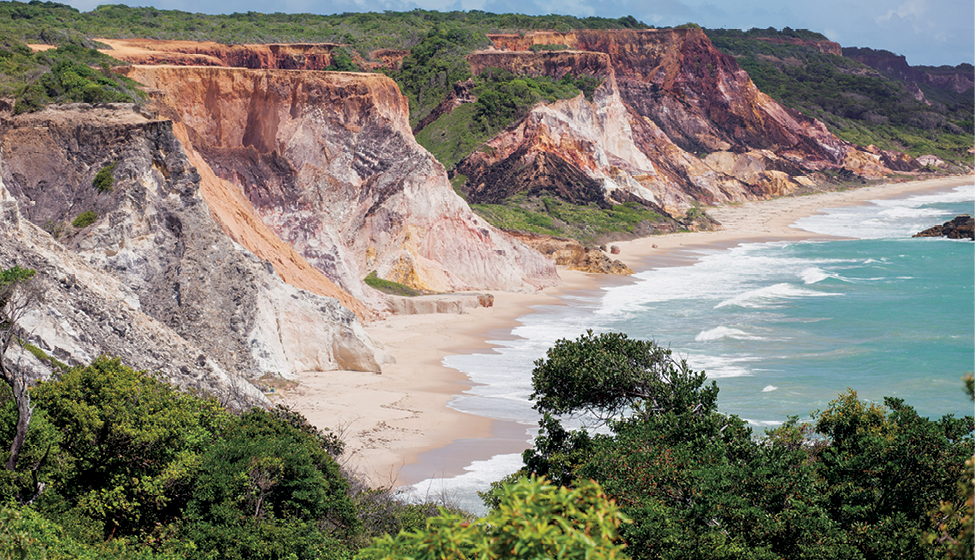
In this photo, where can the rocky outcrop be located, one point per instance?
(87, 312)
(456, 304)
(590, 152)
(959, 79)
(154, 235)
(390, 59)
(573, 255)
(553, 64)
(675, 123)
(825, 47)
(290, 56)
(328, 162)
(961, 227)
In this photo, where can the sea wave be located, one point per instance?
(815, 274)
(771, 296)
(718, 367)
(719, 333)
(887, 218)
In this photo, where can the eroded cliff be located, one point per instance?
(675, 123)
(151, 231)
(328, 162)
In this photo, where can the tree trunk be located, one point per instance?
(24, 412)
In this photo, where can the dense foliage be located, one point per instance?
(71, 73)
(53, 23)
(860, 481)
(533, 519)
(857, 103)
(130, 467)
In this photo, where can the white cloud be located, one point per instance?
(914, 8)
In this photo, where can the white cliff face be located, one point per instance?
(328, 162)
(599, 138)
(156, 251)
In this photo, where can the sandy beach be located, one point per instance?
(393, 421)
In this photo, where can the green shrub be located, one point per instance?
(534, 519)
(103, 179)
(390, 287)
(85, 219)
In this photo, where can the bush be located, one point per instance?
(534, 519)
(104, 179)
(85, 219)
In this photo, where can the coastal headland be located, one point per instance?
(398, 425)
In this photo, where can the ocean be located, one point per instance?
(782, 327)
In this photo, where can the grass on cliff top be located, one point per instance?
(551, 216)
(390, 287)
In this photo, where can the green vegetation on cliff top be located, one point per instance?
(856, 103)
(71, 73)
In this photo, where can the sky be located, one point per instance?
(927, 32)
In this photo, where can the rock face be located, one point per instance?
(572, 255)
(959, 79)
(291, 56)
(155, 240)
(675, 123)
(87, 312)
(961, 227)
(329, 164)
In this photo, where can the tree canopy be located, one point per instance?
(610, 373)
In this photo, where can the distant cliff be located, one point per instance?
(289, 56)
(674, 124)
(959, 78)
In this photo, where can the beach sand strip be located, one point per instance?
(397, 426)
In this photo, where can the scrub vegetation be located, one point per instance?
(856, 102)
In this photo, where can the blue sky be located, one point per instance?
(929, 32)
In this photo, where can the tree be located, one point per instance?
(534, 519)
(269, 489)
(608, 374)
(18, 293)
(130, 447)
(955, 519)
(886, 468)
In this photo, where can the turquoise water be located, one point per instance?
(781, 327)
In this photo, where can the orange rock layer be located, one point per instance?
(291, 56)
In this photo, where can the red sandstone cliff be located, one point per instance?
(328, 163)
(669, 100)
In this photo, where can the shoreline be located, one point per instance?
(398, 426)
